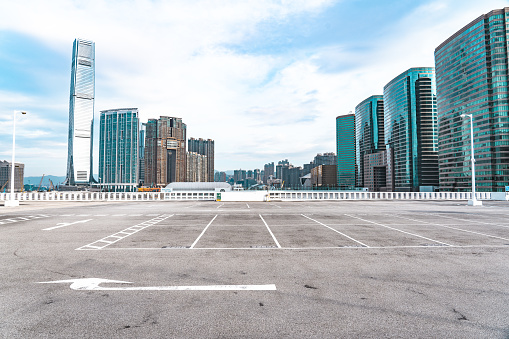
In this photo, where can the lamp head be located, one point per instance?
(463, 116)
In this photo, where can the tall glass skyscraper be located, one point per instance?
(410, 126)
(472, 78)
(345, 146)
(81, 114)
(369, 132)
(118, 146)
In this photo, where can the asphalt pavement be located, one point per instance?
(188, 269)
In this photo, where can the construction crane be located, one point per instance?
(51, 186)
(2, 189)
(40, 183)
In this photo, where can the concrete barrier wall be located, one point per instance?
(249, 196)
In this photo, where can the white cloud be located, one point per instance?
(171, 58)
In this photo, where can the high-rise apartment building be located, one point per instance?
(279, 168)
(345, 146)
(81, 114)
(196, 167)
(369, 132)
(410, 128)
(165, 151)
(268, 171)
(472, 78)
(204, 147)
(257, 175)
(118, 148)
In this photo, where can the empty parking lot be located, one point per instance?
(274, 269)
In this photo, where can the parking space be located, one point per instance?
(335, 269)
(250, 229)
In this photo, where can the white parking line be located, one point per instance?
(453, 228)
(203, 232)
(102, 243)
(275, 205)
(272, 234)
(477, 221)
(247, 205)
(220, 205)
(65, 224)
(18, 219)
(305, 216)
(396, 229)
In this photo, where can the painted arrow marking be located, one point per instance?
(92, 284)
(64, 224)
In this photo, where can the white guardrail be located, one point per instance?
(248, 196)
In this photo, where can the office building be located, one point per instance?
(324, 176)
(472, 78)
(5, 176)
(204, 147)
(369, 132)
(81, 114)
(118, 149)
(196, 167)
(378, 171)
(325, 159)
(345, 146)
(141, 154)
(165, 151)
(410, 128)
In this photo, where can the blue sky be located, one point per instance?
(265, 79)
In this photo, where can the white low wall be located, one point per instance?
(250, 196)
(244, 196)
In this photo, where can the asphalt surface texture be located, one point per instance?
(198, 269)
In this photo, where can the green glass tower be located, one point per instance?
(345, 146)
(118, 146)
(411, 132)
(472, 78)
(369, 132)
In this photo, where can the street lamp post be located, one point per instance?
(473, 201)
(11, 202)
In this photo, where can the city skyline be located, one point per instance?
(263, 79)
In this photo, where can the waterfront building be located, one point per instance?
(345, 146)
(369, 132)
(472, 78)
(410, 128)
(204, 147)
(118, 148)
(5, 176)
(165, 151)
(81, 114)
